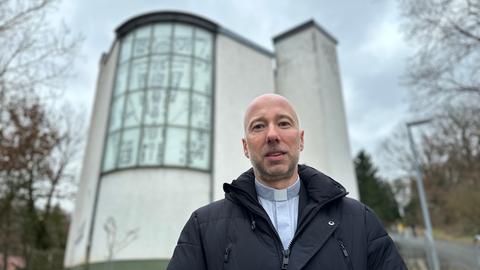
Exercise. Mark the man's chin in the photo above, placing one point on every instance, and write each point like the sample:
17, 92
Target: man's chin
278, 172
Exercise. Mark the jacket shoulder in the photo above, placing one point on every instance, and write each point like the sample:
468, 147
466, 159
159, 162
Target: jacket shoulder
358, 213
352, 206
215, 211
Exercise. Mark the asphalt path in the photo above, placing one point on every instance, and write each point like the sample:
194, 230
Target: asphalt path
452, 255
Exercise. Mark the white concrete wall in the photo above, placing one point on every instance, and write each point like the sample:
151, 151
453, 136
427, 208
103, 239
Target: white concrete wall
81, 218
308, 75
242, 73
145, 211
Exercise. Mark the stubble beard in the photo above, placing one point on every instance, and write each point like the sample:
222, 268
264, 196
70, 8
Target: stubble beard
262, 172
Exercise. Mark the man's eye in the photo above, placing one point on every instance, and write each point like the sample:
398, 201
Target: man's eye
258, 126
284, 124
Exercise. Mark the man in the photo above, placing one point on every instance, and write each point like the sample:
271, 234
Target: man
281, 215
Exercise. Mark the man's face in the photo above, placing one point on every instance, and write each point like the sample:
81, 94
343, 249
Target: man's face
273, 140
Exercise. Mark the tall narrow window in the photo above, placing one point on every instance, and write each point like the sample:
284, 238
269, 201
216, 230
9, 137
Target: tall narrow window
161, 106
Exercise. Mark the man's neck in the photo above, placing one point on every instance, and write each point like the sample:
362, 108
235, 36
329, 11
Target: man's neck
279, 183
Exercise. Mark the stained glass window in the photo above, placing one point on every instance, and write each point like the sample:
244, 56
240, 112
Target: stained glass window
159, 71
155, 107
151, 149
161, 105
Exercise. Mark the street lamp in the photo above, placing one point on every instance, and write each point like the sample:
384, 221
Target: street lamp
423, 201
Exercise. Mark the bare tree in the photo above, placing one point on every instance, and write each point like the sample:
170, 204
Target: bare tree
35, 54
38, 143
443, 75
450, 155
453, 155
445, 35
37, 153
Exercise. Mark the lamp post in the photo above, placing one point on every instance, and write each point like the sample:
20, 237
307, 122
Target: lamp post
433, 258
476, 241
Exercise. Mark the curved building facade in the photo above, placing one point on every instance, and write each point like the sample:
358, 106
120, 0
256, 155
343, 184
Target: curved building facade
166, 128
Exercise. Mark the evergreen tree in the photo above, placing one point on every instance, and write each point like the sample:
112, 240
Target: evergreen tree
375, 192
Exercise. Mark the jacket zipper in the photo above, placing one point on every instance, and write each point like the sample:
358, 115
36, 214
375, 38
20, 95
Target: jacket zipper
345, 254
264, 216
286, 252
227, 253
286, 257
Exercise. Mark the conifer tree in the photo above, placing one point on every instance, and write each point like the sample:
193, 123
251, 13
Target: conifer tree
374, 191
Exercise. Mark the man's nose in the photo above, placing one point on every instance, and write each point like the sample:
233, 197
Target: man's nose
272, 135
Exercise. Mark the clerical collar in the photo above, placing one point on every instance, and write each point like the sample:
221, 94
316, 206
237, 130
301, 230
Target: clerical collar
272, 194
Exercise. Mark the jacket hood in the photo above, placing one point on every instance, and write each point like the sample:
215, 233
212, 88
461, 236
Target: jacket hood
320, 187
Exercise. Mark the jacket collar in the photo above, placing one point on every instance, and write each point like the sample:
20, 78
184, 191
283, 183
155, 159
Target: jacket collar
319, 187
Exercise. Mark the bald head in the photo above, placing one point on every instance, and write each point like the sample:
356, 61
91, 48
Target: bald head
264, 103
273, 140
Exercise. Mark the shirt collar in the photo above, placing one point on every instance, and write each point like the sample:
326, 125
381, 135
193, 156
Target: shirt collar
273, 194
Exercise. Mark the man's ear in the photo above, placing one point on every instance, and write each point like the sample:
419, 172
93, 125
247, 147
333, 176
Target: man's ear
245, 149
302, 132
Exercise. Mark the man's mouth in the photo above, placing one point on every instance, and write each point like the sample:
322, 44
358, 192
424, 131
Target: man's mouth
275, 154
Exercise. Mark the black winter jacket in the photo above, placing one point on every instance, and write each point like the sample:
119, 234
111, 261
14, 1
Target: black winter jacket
333, 232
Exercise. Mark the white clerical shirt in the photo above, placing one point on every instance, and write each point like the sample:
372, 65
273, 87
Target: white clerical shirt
281, 206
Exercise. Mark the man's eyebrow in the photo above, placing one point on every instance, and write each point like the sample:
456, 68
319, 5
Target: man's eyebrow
279, 117
289, 117
285, 116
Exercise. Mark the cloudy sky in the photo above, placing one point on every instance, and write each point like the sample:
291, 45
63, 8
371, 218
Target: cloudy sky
371, 50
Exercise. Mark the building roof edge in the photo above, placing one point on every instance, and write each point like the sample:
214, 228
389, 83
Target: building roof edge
164, 16
245, 41
300, 28
180, 16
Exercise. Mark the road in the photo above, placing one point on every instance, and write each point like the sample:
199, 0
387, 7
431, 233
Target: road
452, 255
